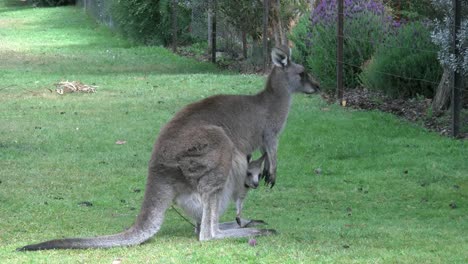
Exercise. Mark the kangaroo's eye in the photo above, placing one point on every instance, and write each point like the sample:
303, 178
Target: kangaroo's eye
249, 174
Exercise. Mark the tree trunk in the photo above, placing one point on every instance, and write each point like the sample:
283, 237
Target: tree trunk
244, 44
266, 12
281, 28
442, 96
277, 24
276, 35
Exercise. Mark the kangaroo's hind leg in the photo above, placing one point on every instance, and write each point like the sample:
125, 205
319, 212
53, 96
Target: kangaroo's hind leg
208, 163
210, 229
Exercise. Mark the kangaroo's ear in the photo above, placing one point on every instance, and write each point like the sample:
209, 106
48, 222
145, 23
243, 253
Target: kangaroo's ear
279, 57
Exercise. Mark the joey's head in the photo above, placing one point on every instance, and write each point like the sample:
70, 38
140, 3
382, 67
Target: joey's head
253, 172
295, 76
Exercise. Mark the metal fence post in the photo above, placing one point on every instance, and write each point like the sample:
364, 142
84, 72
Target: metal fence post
339, 53
457, 78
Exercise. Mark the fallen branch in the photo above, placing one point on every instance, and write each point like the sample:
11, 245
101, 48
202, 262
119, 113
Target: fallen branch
74, 86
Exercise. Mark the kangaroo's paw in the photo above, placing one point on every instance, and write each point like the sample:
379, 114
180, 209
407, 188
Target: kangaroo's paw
249, 223
252, 223
228, 225
244, 232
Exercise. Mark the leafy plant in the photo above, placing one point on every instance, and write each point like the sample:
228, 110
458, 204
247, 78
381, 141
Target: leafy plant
244, 15
149, 21
47, 3
366, 22
405, 65
412, 10
442, 36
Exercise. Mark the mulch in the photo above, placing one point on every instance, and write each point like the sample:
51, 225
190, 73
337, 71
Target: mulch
414, 110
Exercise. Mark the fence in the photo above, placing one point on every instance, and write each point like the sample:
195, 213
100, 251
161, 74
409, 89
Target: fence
229, 39
230, 44
99, 10
454, 89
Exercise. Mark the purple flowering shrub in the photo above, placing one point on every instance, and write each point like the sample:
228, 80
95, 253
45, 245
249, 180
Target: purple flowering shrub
326, 11
366, 24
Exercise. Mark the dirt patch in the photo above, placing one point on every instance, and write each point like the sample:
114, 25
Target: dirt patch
414, 110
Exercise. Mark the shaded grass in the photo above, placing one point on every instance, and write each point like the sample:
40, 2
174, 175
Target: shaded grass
383, 194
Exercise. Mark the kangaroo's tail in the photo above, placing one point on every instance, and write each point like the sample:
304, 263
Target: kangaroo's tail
127, 238
157, 199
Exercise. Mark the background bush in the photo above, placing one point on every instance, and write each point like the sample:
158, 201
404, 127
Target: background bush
366, 23
46, 3
149, 21
443, 34
413, 9
409, 53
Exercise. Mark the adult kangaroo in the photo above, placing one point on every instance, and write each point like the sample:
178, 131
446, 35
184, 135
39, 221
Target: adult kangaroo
202, 149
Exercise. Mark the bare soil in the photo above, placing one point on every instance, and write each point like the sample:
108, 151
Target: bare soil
414, 110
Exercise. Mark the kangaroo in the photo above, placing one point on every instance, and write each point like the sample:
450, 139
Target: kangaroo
202, 150
251, 182
235, 190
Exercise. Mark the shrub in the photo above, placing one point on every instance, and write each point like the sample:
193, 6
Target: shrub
149, 21
366, 22
408, 53
414, 9
46, 3
443, 34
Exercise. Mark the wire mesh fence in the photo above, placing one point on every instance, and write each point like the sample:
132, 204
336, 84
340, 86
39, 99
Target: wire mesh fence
452, 85
99, 10
232, 43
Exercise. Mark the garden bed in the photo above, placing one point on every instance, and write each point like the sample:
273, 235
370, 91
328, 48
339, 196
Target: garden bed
414, 110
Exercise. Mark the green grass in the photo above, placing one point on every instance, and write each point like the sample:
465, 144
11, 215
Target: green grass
383, 194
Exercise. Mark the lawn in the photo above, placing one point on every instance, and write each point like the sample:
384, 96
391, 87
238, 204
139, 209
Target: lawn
352, 186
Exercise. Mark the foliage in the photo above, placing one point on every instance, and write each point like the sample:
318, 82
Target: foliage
291, 9
197, 49
366, 23
410, 54
326, 11
149, 21
46, 3
442, 36
300, 37
412, 10
244, 15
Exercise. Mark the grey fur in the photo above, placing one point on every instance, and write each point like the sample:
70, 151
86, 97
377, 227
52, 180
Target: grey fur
202, 151
235, 190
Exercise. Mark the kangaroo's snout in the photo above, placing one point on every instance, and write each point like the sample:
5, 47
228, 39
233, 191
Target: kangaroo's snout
310, 85
255, 184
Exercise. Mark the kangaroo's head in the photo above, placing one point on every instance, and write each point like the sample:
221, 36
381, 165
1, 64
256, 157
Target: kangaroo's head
297, 80
253, 172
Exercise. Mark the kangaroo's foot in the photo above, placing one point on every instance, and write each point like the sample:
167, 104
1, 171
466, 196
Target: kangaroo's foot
243, 232
249, 222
